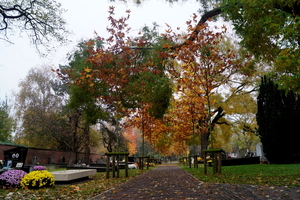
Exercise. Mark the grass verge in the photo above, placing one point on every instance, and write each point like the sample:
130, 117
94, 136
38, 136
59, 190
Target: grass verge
83, 190
259, 174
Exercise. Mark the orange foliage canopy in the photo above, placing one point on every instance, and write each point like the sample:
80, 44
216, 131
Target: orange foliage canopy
130, 140
197, 69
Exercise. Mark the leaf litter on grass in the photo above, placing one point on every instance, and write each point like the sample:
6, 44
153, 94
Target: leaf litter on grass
83, 190
259, 174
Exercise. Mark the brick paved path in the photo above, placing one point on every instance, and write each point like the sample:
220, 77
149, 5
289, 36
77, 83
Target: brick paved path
170, 182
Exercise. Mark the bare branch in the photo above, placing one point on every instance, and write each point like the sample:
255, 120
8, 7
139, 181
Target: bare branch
41, 19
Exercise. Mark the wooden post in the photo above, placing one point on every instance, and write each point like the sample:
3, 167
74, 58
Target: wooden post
195, 161
219, 162
148, 160
118, 170
205, 162
215, 163
107, 166
126, 165
113, 167
140, 163
142, 160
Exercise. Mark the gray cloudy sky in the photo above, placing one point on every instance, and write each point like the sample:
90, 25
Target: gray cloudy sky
83, 19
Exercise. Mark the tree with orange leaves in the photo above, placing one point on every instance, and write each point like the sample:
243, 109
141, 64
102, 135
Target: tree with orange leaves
122, 74
199, 68
129, 76
203, 69
130, 140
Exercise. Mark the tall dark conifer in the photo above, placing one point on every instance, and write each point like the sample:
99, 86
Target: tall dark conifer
278, 118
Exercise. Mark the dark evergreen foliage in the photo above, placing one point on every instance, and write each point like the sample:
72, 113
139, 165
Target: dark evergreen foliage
278, 118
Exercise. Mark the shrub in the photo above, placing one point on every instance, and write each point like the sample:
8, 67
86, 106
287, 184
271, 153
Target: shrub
11, 178
39, 168
37, 179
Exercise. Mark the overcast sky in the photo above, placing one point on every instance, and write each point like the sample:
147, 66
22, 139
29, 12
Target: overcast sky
83, 19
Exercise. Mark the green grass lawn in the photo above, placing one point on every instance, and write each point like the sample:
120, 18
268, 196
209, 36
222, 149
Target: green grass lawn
259, 174
83, 190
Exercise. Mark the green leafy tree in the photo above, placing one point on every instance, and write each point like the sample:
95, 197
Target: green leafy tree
7, 124
37, 109
40, 19
278, 119
265, 26
81, 98
241, 108
45, 121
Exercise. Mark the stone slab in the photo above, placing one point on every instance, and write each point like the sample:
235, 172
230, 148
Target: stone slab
69, 175
99, 169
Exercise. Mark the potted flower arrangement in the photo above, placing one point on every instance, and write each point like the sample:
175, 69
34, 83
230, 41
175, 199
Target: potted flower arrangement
11, 178
37, 179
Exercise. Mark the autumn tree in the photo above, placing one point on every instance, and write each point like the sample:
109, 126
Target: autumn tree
123, 75
203, 69
150, 89
177, 131
241, 108
7, 123
36, 108
152, 93
130, 140
262, 22
268, 28
81, 100
40, 19
83, 96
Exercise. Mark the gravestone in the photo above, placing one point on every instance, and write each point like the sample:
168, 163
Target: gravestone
100, 161
34, 160
9, 164
16, 155
241, 153
260, 152
52, 160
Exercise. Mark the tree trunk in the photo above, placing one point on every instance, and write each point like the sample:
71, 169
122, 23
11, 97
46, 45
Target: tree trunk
204, 141
218, 114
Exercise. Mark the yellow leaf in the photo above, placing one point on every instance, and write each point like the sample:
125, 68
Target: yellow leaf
87, 70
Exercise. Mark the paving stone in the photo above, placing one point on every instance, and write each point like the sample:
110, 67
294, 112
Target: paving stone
169, 182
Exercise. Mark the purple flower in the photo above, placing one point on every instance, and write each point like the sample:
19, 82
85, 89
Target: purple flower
12, 178
38, 168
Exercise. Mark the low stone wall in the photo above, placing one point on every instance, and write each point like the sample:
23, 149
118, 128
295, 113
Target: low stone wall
45, 156
241, 161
